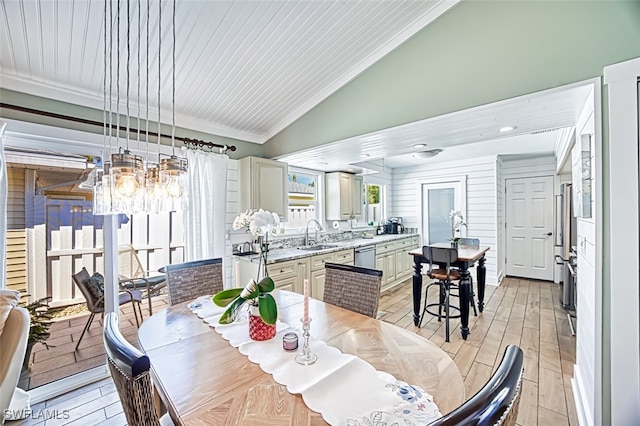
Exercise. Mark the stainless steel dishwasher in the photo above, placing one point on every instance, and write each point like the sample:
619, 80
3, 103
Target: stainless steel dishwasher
365, 256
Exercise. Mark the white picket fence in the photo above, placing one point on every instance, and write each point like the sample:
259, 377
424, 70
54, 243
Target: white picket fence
299, 216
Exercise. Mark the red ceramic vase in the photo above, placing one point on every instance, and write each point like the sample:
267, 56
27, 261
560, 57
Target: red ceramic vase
258, 329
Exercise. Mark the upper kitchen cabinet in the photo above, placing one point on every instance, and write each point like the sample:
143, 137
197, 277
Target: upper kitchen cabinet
262, 184
343, 196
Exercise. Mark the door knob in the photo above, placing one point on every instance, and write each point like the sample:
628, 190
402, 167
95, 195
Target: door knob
549, 234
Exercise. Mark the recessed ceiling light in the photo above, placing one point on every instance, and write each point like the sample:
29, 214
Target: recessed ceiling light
364, 155
323, 163
420, 145
507, 128
351, 170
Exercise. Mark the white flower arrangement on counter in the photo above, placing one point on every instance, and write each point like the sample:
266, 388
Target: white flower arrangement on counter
258, 222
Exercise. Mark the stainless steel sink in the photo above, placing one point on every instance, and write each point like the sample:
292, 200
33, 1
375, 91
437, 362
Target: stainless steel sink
318, 247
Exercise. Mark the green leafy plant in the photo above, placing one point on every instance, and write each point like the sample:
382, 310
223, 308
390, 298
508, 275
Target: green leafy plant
254, 293
41, 317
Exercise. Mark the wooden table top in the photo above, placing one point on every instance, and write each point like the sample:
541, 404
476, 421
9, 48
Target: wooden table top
465, 253
205, 380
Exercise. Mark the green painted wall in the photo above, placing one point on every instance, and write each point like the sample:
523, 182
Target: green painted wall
477, 53
10, 97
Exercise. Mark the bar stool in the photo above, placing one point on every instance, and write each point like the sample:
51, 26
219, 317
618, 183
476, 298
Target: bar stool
441, 256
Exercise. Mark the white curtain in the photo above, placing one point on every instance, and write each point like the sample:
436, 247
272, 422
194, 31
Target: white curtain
205, 217
3, 210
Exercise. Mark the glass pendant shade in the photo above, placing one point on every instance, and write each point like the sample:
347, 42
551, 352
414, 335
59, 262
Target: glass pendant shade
173, 177
155, 192
127, 181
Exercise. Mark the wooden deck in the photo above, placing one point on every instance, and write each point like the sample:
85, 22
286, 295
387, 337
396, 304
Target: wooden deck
521, 312
62, 360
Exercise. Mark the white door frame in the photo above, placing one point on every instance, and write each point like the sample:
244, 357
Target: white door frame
624, 245
460, 185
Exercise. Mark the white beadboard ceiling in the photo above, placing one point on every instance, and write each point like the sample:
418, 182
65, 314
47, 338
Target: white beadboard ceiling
463, 134
244, 69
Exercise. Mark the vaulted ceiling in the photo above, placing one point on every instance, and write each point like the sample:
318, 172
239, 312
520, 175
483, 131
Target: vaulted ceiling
244, 69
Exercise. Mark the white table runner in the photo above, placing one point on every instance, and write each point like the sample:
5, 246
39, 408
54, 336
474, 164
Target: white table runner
343, 388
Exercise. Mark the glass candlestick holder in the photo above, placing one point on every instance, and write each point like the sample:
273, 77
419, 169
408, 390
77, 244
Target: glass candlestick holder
306, 357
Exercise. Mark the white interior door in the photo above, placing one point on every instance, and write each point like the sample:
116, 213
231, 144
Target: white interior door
529, 205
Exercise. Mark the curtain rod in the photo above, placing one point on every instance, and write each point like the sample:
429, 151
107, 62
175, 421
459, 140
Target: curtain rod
186, 141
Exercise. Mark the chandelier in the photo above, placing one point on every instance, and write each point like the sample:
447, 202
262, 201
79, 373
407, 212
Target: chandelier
128, 182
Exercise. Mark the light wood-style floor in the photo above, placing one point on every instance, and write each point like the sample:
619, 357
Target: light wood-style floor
521, 312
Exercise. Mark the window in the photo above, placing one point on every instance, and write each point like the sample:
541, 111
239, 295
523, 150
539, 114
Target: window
303, 198
373, 200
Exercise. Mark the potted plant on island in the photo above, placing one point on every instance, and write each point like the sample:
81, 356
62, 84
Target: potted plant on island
263, 311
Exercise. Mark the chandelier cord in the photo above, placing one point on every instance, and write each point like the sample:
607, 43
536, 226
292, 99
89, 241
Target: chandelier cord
128, 69
110, 77
138, 81
104, 83
159, 68
173, 84
147, 83
118, 78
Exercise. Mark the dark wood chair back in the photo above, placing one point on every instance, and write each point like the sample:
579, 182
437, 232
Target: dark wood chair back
440, 257
130, 371
352, 287
189, 280
497, 402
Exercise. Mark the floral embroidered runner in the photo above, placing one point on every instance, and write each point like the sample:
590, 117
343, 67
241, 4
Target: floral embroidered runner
345, 389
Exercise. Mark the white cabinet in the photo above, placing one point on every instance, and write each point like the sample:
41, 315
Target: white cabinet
343, 196
318, 272
262, 184
393, 259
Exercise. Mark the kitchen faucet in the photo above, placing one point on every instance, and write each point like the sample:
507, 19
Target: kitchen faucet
306, 232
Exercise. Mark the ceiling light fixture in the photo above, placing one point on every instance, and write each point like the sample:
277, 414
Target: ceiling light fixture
427, 154
126, 184
507, 128
364, 156
420, 145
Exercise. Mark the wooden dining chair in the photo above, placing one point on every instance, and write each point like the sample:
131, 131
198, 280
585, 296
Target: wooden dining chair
132, 275
352, 287
95, 298
496, 403
130, 372
189, 280
444, 274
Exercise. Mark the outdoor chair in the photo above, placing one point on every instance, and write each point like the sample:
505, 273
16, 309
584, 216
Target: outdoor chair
95, 300
130, 372
189, 280
497, 402
352, 287
132, 275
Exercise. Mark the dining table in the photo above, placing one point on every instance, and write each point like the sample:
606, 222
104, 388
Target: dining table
467, 257
202, 379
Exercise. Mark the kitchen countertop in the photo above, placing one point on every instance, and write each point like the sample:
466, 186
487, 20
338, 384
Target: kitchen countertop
281, 255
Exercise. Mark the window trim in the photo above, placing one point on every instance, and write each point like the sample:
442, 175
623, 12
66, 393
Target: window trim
320, 197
